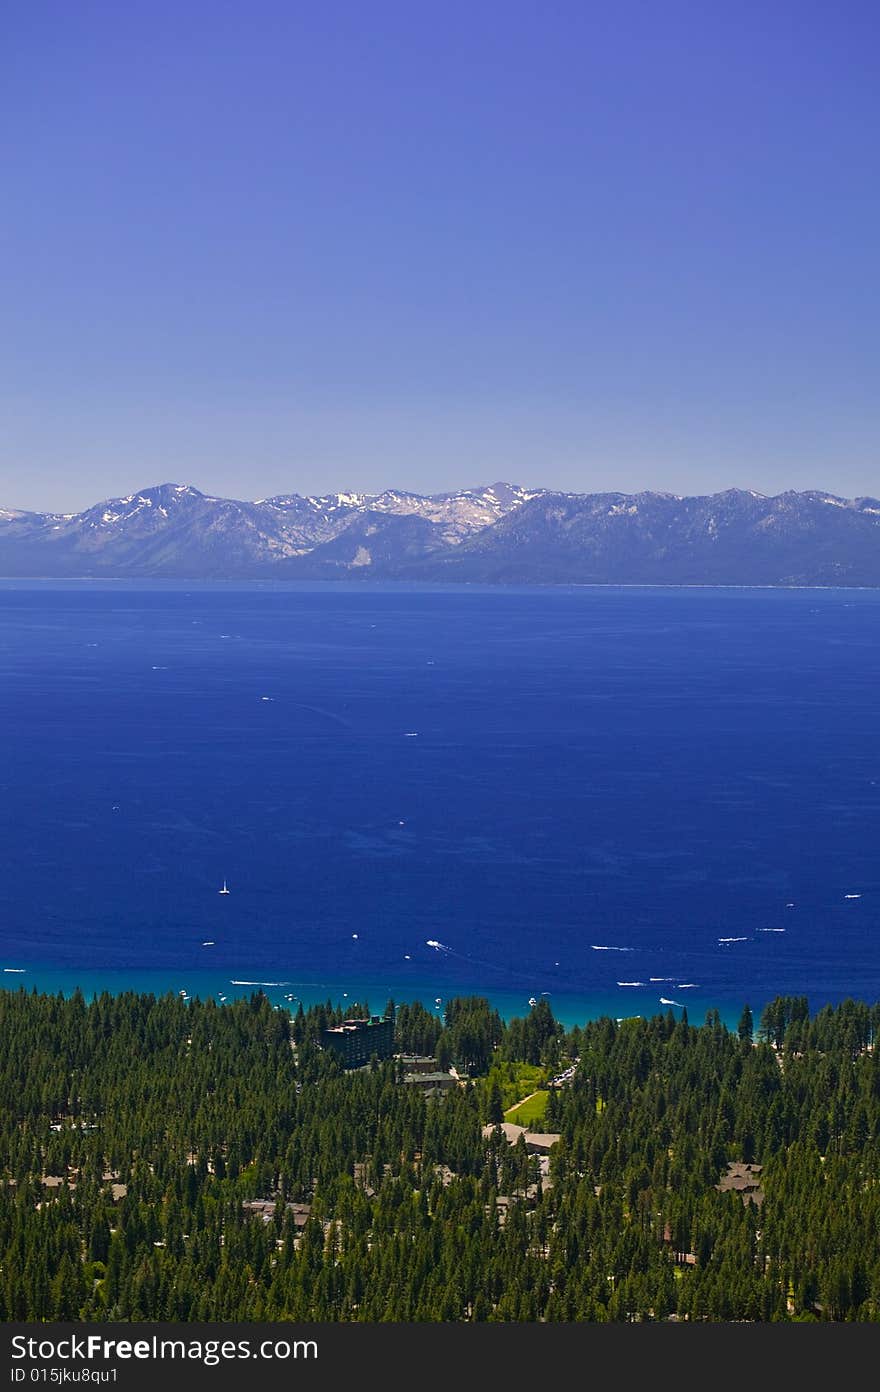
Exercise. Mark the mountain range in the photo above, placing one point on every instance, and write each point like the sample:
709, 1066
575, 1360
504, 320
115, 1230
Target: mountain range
499, 533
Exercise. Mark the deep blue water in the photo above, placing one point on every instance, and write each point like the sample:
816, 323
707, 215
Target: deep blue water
521, 775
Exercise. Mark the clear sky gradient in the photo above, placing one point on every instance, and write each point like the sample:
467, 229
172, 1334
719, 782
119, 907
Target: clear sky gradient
279, 246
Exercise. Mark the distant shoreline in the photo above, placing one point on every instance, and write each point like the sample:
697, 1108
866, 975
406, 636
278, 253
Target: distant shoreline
356, 586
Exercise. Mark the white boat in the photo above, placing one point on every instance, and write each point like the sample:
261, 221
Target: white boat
224, 890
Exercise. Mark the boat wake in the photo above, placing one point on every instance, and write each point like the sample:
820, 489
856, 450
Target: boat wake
235, 982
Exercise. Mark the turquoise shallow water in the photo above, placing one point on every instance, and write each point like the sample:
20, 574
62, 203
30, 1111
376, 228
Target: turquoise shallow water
569, 1007
418, 792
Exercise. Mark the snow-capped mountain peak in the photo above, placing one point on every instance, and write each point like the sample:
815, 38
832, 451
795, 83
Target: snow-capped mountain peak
494, 532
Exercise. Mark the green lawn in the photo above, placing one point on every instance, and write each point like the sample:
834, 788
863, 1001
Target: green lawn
529, 1112
514, 1080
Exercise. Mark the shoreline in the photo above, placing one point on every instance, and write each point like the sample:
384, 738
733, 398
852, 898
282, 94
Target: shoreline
287, 992
183, 582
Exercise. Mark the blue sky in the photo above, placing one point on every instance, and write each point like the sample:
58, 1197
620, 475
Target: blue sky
278, 246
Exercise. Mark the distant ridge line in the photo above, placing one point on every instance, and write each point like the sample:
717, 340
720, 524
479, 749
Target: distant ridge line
498, 533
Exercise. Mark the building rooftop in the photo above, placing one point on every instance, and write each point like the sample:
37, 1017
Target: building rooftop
534, 1140
744, 1179
353, 1026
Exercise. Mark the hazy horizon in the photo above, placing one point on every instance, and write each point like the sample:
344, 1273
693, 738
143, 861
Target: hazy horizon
425, 491
45, 491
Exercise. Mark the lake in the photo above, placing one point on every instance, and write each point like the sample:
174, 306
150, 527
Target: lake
414, 792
